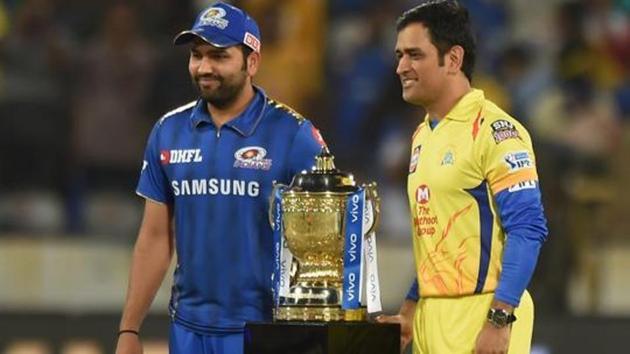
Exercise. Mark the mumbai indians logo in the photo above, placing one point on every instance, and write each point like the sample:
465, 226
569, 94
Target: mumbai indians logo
252, 157
214, 17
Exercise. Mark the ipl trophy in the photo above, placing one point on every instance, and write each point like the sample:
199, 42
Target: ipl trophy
324, 235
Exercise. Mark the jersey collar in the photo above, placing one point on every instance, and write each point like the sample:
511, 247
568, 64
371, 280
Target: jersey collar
467, 107
245, 123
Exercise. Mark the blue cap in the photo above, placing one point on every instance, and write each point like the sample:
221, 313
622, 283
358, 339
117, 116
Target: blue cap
223, 25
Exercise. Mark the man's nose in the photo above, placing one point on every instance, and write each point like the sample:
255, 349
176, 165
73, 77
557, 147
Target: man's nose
205, 66
403, 65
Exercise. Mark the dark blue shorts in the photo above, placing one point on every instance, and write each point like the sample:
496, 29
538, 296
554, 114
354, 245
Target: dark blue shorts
184, 341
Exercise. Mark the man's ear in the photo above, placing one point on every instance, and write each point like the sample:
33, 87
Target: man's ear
253, 62
455, 59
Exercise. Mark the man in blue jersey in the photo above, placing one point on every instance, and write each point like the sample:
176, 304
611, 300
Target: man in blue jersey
208, 171
477, 217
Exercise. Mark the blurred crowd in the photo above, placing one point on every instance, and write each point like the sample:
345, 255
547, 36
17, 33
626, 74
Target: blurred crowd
82, 82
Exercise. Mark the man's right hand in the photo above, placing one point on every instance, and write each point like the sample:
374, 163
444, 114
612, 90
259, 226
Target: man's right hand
128, 343
405, 319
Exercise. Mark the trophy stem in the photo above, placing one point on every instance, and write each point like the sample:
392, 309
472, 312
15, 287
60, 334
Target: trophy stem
322, 268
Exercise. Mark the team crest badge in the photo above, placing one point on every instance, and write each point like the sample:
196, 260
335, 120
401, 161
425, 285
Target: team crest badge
252, 157
448, 159
214, 16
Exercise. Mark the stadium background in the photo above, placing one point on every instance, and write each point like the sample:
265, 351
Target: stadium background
81, 82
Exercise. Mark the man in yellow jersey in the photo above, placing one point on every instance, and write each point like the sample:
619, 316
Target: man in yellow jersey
477, 217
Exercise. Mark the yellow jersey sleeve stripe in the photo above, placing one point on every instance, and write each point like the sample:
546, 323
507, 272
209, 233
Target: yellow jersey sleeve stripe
511, 179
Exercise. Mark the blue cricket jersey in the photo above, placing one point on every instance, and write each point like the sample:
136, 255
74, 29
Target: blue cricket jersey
218, 182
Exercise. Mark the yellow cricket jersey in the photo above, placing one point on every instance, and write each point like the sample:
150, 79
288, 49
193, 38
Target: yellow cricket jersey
456, 169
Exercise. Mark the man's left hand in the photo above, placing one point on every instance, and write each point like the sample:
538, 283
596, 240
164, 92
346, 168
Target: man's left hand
493, 340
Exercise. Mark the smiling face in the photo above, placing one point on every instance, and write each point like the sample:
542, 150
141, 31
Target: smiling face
421, 69
220, 74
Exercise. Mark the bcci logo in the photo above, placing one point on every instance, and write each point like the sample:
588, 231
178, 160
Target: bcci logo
252, 157
214, 17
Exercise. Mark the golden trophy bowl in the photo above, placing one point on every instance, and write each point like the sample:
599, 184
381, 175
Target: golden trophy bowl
313, 223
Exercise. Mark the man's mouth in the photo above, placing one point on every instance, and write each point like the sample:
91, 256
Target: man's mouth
407, 82
207, 81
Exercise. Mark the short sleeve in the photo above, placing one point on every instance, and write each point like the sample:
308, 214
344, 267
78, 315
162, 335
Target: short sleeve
507, 156
153, 183
307, 144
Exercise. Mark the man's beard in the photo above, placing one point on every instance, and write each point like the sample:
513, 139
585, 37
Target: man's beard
225, 93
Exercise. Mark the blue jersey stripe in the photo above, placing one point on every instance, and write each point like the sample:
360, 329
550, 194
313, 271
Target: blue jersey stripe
480, 193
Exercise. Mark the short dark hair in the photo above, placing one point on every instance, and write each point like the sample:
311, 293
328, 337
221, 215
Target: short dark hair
448, 24
246, 52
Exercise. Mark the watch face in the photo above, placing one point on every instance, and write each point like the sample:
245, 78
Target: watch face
499, 318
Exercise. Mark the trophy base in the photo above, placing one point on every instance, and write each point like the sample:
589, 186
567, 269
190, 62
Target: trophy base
318, 337
319, 314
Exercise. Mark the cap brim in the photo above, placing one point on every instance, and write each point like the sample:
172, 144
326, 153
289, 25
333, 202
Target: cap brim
212, 38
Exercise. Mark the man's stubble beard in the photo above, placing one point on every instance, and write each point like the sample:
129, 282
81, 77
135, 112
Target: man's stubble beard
225, 94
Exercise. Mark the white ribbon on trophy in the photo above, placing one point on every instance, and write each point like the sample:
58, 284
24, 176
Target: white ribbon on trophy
370, 262
286, 261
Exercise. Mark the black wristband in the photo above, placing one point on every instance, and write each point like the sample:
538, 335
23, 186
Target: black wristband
128, 331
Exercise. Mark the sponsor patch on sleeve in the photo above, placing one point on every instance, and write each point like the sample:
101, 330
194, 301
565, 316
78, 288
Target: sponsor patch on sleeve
503, 130
519, 160
531, 184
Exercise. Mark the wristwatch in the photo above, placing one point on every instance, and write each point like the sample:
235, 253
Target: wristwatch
500, 317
